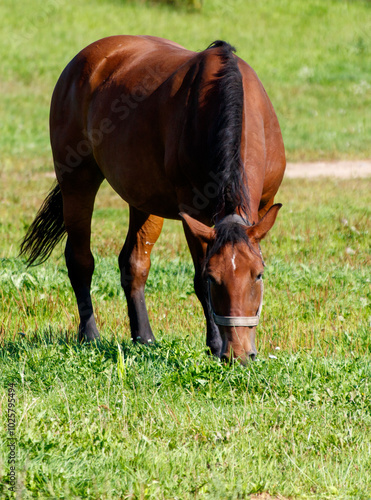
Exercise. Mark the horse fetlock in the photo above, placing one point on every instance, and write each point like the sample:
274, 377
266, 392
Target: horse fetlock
88, 332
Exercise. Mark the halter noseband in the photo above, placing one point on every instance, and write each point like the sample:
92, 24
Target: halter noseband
237, 320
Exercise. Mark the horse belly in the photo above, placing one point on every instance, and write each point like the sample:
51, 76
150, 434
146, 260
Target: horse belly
133, 165
143, 190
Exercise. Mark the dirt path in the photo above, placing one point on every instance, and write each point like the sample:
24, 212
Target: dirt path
340, 169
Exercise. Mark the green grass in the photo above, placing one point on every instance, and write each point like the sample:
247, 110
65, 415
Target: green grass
170, 423
114, 420
123, 421
313, 57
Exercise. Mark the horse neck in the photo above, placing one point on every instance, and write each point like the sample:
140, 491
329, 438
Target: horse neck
211, 135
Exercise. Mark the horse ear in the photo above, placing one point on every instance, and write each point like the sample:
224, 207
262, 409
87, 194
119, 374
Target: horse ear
259, 230
199, 230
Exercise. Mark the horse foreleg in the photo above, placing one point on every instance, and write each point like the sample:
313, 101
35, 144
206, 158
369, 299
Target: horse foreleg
135, 262
198, 251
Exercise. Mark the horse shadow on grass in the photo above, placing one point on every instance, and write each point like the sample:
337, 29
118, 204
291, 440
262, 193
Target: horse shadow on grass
110, 348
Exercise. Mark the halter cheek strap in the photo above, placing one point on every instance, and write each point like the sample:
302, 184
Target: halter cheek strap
238, 320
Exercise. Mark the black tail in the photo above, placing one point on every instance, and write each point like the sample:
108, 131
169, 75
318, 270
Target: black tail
46, 230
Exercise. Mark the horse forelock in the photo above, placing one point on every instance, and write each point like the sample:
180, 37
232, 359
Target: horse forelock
227, 233
224, 145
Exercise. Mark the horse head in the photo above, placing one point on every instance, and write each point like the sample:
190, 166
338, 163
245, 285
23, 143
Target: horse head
233, 273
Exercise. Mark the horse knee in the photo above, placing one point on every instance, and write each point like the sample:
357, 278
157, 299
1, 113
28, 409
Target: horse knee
134, 272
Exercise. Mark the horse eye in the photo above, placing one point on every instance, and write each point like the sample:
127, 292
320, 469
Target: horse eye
259, 276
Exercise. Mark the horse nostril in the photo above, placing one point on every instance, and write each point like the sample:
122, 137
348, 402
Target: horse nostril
252, 356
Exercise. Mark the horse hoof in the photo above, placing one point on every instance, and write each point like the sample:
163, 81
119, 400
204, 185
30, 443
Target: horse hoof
147, 340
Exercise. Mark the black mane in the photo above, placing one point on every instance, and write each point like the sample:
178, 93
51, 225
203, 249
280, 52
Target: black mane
225, 139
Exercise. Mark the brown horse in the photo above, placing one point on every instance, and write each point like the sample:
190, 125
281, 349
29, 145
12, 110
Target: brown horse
178, 135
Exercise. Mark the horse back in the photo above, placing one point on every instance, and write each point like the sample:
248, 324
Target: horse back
143, 108
119, 62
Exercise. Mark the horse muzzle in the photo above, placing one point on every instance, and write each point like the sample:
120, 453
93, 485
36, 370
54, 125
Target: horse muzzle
238, 344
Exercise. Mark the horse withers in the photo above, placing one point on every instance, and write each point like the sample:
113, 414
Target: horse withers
178, 134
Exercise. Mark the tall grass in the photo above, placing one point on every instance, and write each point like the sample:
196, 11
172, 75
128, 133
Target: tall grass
123, 421
317, 259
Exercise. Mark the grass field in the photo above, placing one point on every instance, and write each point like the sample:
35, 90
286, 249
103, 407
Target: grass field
313, 57
117, 421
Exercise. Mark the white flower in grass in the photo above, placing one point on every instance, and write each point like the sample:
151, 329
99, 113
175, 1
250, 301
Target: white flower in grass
350, 251
305, 73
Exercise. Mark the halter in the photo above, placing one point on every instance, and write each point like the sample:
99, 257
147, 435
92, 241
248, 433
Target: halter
249, 321
238, 320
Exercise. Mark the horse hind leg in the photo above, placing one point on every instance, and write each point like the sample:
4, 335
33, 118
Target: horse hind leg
79, 188
134, 262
